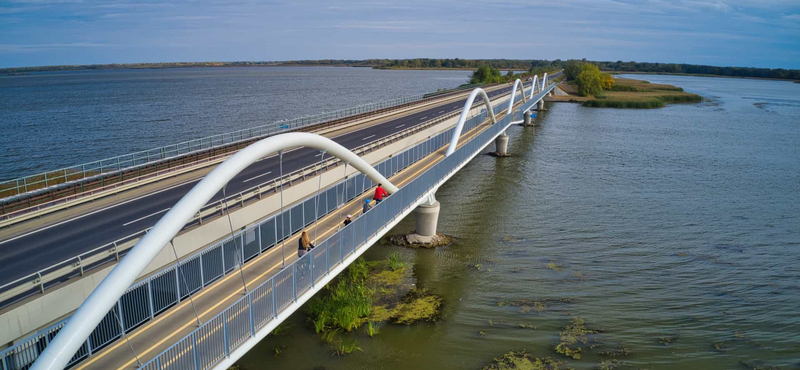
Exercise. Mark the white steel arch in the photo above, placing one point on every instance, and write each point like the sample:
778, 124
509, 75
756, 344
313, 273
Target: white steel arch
517, 84
534, 86
464, 112
105, 296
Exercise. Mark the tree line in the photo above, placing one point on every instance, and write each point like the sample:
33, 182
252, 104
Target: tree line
508, 64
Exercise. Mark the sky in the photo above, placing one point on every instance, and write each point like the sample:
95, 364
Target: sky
754, 33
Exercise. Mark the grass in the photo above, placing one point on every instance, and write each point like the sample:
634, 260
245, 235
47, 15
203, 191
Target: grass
633, 94
347, 304
395, 261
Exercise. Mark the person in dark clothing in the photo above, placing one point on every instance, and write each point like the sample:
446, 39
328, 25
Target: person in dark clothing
379, 194
348, 220
304, 244
367, 206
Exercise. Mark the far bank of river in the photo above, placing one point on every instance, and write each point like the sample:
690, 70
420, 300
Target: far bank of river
658, 239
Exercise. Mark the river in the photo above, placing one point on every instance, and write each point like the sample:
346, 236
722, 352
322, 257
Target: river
57, 119
674, 231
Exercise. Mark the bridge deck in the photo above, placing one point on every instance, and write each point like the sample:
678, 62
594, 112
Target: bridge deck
52, 239
154, 336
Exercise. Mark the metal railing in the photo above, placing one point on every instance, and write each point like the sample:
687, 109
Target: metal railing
39, 281
215, 339
166, 288
152, 296
12, 189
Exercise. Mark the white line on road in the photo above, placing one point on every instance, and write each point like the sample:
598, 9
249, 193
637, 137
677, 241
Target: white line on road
253, 178
142, 218
400, 126
441, 111
99, 210
370, 136
423, 118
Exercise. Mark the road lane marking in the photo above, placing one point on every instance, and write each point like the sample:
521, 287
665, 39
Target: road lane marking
368, 137
142, 218
423, 118
253, 178
441, 111
99, 210
400, 126
219, 282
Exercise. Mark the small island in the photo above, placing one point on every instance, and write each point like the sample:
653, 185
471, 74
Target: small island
586, 84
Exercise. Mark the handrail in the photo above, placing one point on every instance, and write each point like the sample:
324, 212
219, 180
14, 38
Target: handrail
149, 156
94, 257
72, 336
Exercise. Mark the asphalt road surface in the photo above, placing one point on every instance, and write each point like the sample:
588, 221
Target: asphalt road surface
41, 248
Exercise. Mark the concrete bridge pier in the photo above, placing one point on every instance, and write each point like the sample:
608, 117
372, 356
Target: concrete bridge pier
501, 144
427, 217
526, 119
541, 105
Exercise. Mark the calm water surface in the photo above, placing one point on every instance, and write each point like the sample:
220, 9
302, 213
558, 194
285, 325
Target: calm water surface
52, 120
679, 222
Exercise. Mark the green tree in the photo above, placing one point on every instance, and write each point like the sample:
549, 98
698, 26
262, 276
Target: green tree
572, 69
485, 74
590, 80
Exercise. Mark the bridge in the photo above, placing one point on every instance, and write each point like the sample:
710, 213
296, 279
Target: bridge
218, 272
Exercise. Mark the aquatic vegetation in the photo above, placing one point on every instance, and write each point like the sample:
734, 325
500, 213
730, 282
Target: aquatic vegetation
347, 304
372, 329
574, 338
553, 266
278, 350
538, 305
346, 347
739, 334
521, 360
526, 326
482, 333
395, 261
617, 352
612, 364
477, 266
667, 340
720, 347
418, 305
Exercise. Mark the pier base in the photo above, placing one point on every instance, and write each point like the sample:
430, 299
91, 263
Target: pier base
501, 145
541, 105
426, 217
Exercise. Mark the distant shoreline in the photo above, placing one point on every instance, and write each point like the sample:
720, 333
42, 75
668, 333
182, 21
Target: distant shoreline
699, 75
419, 64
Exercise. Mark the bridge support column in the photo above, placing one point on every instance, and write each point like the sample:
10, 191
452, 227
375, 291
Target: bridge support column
541, 105
526, 119
426, 217
501, 145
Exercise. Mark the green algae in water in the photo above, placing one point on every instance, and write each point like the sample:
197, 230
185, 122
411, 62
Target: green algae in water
553, 266
522, 360
574, 339
612, 364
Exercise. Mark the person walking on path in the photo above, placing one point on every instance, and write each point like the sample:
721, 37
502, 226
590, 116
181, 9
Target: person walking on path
379, 194
367, 206
348, 220
304, 244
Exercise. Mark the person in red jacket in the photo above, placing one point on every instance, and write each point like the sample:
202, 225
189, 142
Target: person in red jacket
379, 194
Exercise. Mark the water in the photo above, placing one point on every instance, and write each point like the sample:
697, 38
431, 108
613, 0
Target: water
679, 222
53, 120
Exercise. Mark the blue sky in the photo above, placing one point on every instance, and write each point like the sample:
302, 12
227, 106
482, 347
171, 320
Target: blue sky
760, 33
